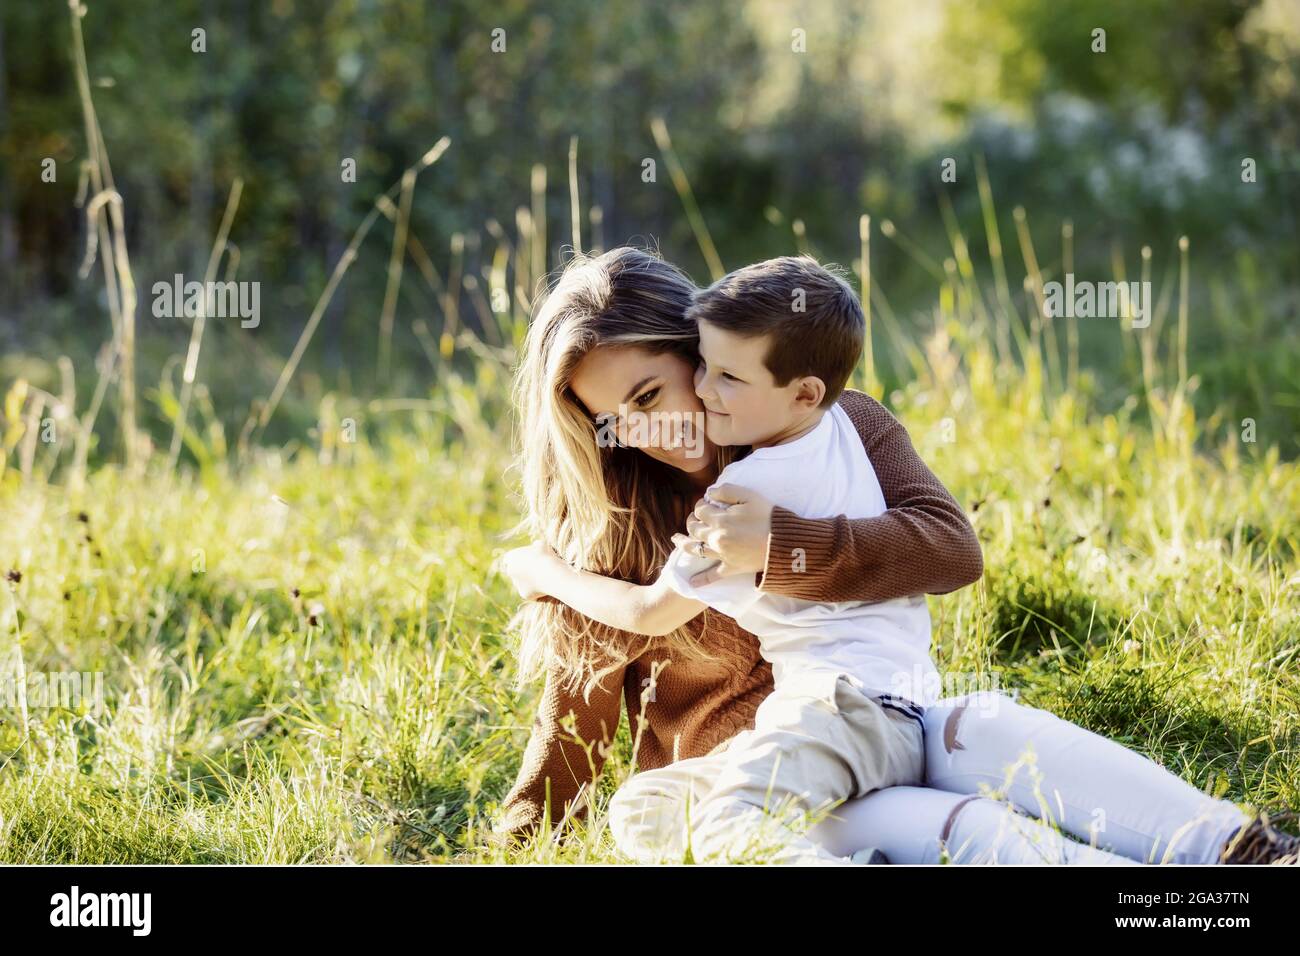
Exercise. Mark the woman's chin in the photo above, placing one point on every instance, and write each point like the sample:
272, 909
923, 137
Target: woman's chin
688, 463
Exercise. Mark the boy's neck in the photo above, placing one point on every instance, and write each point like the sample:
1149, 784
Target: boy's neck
796, 429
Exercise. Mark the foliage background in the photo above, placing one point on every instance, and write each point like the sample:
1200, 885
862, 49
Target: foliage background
1135, 146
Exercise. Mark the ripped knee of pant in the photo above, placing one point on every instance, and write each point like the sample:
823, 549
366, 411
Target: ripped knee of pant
950, 741
951, 821
981, 705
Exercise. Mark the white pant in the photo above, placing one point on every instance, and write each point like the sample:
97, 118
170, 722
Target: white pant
818, 739
920, 825
1091, 787
1044, 771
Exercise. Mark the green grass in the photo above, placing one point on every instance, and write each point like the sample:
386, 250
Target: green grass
1140, 581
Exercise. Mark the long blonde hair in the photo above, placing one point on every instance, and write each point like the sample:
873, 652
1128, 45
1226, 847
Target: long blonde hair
610, 510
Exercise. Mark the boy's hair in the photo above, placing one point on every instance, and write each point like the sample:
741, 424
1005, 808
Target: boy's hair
817, 333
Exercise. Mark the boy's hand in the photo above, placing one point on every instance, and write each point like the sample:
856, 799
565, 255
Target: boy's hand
732, 525
524, 566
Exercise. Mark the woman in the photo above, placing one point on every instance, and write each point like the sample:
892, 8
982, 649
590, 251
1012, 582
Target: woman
613, 334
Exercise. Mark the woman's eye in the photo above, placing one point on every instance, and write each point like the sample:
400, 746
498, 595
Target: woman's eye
645, 398
729, 377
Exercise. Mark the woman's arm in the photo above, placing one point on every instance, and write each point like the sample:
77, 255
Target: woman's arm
558, 761
922, 543
652, 610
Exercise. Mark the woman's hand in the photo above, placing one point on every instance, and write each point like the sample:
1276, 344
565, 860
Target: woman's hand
735, 534
525, 566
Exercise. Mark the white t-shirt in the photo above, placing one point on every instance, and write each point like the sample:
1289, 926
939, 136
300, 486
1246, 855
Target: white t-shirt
886, 644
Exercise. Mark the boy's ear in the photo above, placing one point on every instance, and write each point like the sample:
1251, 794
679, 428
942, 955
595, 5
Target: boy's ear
810, 392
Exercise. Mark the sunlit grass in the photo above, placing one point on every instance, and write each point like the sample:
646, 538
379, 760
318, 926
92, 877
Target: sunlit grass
1139, 587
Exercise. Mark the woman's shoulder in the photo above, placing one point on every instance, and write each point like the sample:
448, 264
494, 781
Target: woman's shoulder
869, 416
851, 400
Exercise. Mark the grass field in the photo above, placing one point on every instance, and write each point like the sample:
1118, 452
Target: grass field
304, 658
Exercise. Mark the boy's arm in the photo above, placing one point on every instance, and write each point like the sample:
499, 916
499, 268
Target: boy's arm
922, 543
653, 609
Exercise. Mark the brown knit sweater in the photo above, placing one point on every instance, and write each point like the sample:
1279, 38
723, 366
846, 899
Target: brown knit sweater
922, 543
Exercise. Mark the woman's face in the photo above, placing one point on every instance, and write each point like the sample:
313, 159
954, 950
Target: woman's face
646, 400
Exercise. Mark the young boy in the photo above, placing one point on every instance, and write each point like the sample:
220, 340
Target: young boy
778, 342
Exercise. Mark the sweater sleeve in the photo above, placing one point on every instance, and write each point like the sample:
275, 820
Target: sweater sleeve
922, 543
556, 763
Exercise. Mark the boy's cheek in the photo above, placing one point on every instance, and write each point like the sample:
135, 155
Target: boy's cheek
716, 431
